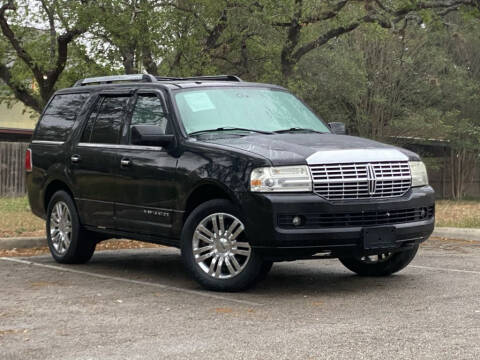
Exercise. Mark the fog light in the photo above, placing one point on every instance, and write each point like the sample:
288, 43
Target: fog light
297, 221
423, 213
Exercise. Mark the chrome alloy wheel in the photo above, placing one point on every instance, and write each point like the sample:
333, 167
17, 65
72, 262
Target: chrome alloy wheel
61, 227
378, 258
218, 247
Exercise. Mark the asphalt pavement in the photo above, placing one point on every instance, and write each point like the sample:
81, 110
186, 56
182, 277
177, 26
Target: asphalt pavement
140, 304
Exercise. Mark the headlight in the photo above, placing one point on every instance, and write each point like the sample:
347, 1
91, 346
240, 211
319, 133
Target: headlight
282, 179
419, 173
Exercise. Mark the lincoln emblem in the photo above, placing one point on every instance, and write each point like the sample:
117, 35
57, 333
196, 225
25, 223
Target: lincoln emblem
372, 179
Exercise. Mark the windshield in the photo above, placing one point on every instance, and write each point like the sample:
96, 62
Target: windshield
262, 110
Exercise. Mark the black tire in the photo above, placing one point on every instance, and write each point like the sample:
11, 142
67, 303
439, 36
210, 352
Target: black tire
81, 246
392, 264
255, 268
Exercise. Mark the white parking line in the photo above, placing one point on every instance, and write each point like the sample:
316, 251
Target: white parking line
138, 282
445, 269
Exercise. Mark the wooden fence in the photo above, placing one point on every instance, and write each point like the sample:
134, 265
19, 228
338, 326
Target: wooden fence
12, 169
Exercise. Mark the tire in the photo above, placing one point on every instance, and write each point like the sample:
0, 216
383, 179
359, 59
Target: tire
67, 241
220, 263
387, 263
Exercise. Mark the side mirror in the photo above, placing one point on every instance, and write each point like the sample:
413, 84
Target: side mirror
337, 128
150, 135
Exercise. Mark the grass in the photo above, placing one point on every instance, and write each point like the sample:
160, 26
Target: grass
16, 218
464, 214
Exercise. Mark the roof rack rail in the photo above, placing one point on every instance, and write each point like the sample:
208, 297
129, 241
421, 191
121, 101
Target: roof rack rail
151, 78
201, 78
114, 78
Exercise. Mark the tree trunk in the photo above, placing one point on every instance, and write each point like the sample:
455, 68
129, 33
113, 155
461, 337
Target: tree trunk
462, 166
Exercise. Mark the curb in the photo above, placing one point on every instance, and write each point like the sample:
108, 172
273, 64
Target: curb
457, 233
22, 243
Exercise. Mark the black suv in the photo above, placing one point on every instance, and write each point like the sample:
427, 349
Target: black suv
237, 175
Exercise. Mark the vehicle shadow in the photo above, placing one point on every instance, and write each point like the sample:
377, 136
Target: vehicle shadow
285, 280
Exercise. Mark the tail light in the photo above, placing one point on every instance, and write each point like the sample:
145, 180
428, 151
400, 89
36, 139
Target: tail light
28, 160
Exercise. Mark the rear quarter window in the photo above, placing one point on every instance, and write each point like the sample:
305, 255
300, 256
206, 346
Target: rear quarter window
59, 116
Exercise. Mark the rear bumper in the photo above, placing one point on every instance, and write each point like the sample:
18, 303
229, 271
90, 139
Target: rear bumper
262, 213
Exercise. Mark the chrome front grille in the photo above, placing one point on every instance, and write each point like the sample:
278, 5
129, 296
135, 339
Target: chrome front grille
383, 179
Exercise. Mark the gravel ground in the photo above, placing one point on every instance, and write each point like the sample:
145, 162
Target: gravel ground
140, 304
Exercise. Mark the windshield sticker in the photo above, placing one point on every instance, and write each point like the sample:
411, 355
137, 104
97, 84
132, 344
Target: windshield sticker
199, 101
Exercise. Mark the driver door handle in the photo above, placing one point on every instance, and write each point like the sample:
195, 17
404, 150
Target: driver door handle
75, 159
125, 162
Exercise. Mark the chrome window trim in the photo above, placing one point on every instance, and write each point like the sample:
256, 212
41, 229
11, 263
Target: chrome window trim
49, 142
120, 146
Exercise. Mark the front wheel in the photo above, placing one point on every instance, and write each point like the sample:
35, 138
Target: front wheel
382, 264
216, 251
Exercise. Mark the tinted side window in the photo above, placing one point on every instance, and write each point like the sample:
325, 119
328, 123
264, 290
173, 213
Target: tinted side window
87, 132
66, 105
149, 111
60, 116
108, 122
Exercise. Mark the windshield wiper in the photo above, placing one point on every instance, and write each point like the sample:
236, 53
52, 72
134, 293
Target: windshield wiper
228, 128
294, 129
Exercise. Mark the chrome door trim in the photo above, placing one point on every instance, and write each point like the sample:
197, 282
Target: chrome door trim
48, 142
120, 146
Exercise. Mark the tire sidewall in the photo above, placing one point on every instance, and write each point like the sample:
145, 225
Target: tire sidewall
251, 272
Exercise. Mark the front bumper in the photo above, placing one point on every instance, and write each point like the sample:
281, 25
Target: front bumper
262, 212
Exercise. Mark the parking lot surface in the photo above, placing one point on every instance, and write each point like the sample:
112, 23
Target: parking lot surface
140, 304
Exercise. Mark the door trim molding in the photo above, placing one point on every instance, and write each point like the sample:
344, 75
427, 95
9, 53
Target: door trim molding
49, 142
120, 146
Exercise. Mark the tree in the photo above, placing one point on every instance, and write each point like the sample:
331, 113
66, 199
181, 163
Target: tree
310, 26
176, 37
36, 54
461, 101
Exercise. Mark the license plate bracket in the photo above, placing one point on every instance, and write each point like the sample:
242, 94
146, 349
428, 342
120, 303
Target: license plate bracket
379, 237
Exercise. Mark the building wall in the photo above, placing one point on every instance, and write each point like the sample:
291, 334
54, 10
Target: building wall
17, 116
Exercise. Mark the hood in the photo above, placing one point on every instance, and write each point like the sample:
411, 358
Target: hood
313, 148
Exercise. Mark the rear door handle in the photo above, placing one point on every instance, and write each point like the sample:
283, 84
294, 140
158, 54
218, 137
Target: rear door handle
75, 158
125, 162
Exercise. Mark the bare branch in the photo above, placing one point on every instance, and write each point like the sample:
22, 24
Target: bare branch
187, 10
447, 10
21, 92
218, 29
53, 31
293, 38
62, 47
282, 24
324, 38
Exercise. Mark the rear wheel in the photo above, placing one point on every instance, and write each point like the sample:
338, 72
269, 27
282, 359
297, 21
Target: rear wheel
68, 243
382, 264
216, 251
